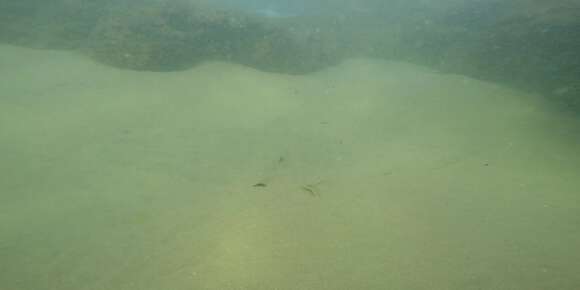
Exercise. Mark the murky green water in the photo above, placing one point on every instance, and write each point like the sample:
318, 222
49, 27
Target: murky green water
365, 175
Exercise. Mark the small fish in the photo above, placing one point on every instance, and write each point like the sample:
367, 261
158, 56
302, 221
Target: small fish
310, 190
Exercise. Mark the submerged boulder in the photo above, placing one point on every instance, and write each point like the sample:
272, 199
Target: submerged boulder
166, 36
143, 37
161, 35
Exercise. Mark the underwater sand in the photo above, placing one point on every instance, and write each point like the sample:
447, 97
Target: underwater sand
374, 174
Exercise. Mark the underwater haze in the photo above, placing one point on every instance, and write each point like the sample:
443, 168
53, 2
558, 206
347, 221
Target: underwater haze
291, 145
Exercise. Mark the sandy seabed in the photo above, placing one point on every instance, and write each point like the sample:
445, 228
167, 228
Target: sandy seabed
367, 175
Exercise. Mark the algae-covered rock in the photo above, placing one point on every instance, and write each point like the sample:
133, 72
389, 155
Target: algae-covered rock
528, 44
159, 35
165, 36
143, 37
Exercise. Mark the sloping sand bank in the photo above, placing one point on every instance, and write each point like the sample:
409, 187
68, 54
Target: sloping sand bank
368, 175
